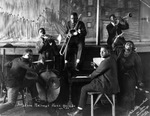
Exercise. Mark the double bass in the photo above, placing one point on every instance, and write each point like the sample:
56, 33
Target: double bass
47, 83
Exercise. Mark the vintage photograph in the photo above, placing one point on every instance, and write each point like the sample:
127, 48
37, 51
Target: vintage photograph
74, 57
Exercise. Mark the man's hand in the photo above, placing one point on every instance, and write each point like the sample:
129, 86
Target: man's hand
94, 65
41, 61
75, 33
140, 84
117, 22
89, 76
79, 30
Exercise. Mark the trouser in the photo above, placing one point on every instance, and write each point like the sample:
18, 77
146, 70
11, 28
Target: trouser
84, 93
12, 94
74, 52
31, 86
127, 92
80, 49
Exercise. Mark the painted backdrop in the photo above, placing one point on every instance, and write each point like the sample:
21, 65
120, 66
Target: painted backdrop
20, 19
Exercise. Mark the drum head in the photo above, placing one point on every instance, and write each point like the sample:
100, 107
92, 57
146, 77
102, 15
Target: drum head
52, 87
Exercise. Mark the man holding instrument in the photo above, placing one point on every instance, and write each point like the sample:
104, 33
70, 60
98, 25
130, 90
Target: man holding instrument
115, 27
76, 32
46, 46
16, 78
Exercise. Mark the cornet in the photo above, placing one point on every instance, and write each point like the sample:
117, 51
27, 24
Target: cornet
125, 18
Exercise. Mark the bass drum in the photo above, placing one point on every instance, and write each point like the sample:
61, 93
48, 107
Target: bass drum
48, 86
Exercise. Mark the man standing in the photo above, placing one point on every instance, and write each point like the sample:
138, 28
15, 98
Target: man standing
115, 28
15, 78
76, 32
46, 46
104, 79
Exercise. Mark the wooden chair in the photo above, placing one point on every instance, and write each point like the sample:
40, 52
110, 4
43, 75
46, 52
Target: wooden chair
112, 101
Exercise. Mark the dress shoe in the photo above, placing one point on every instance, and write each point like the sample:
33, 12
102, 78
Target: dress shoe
66, 61
76, 69
74, 113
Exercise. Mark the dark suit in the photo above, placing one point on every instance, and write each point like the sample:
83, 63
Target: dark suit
77, 42
104, 79
47, 49
18, 68
15, 79
115, 30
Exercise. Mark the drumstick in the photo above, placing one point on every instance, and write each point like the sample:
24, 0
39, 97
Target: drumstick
40, 61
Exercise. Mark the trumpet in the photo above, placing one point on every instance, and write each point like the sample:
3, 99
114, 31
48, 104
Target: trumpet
64, 47
125, 18
128, 15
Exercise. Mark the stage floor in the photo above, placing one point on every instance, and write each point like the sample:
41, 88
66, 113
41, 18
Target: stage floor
104, 110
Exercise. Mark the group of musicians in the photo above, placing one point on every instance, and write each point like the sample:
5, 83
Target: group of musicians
104, 78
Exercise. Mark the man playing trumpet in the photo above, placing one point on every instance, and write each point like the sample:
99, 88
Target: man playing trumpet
115, 28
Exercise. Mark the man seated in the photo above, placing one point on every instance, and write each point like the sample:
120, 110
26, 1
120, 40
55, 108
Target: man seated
16, 75
104, 79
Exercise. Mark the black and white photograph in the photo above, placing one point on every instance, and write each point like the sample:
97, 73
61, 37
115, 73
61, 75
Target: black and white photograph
74, 57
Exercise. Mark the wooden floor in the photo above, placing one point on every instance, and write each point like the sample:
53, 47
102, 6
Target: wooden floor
43, 111
102, 109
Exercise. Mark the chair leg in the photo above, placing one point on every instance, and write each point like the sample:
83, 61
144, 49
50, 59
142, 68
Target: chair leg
92, 106
113, 105
97, 99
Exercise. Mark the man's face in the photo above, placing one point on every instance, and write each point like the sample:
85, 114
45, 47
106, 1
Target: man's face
128, 46
104, 52
73, 19
113, 19
28, 55
41, 33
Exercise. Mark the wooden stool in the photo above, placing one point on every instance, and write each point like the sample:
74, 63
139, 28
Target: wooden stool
98, 98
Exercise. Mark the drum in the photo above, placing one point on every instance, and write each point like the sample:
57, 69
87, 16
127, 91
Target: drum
49, 85
31, 75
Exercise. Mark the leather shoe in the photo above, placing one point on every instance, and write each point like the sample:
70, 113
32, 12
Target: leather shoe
74, 113
76, 69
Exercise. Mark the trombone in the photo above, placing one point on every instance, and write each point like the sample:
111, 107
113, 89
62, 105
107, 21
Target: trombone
63, 49
64, 46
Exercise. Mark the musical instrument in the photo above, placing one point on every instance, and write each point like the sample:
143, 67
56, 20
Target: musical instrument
31, 75
141, 89
69, 35
125, 18
128, 15
39, 61
50, 90
116, 40
116, 37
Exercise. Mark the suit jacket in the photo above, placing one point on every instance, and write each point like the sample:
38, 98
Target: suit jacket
47, 48
106, 76
80, 37
113, 30
17, 71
